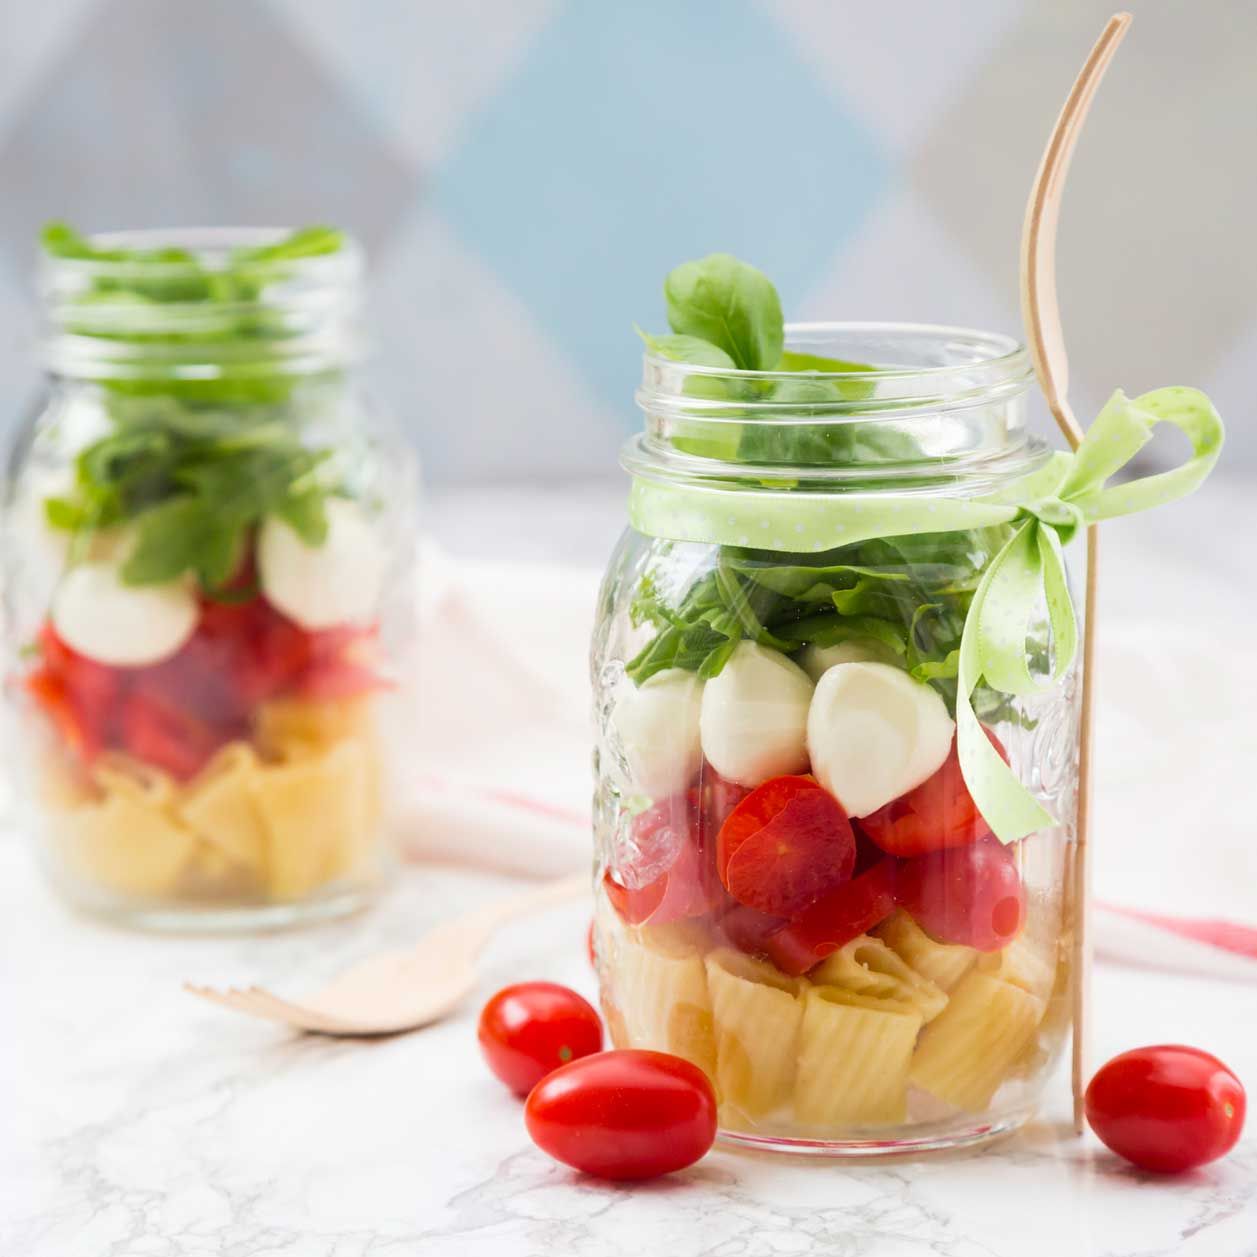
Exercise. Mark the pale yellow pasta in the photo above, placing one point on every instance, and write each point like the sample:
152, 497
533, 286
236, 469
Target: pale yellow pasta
854, 1056
115, 773
867, 966
973, 1046
315, 813
220, 806
660, 993
1023, 963
944, 964
756, 1010
289, 726
127, 844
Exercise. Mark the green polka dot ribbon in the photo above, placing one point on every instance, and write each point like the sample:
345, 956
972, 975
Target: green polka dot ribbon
1047, 509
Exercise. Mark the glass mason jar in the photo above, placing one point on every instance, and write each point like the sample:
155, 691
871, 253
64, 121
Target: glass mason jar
208, 581
797, 889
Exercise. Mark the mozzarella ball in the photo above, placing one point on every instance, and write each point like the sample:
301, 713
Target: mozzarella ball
817, 660
754, 716
127, 626
874, 733
322, 586
657, 723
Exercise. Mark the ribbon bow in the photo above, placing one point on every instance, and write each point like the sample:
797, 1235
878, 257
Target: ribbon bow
1046, 508
1030, 571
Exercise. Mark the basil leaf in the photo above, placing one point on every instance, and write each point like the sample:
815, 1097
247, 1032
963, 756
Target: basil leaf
729, 304
690, 349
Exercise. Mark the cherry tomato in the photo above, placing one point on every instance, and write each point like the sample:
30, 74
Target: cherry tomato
167, 734
937, 814
79, 736
971, 895
785, 845
749, 930
836, 918
624, 1114
1166, 1108
532, 1028
665, 880
91, 687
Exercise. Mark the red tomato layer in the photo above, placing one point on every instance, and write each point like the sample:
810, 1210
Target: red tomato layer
176, 714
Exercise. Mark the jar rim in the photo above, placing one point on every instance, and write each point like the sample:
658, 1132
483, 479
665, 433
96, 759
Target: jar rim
919, 400
294, 316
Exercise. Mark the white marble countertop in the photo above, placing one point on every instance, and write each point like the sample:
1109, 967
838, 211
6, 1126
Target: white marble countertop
138, 1121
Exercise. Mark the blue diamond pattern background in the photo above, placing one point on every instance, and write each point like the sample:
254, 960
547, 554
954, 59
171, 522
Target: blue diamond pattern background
526, 171
672, 136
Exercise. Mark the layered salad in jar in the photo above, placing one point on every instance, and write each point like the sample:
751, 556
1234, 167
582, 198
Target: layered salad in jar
797, 891
198, 587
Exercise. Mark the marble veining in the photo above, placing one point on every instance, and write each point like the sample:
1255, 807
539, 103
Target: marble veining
140, 1123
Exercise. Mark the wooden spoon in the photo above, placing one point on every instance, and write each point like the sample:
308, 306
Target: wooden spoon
1042, 318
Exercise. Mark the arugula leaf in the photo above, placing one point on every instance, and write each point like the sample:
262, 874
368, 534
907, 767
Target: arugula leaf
729, 304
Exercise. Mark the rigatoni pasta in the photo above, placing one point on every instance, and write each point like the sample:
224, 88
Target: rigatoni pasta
854, 1056
756, 1012
867, 966
969, 1050
944, 964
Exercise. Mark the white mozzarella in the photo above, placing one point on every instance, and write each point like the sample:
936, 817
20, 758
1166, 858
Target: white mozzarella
322, 586
817, 660
874, 733
754, 716
657, 724
127, 626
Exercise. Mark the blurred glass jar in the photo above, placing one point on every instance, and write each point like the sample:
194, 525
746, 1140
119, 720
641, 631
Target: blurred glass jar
208, 581
796, 890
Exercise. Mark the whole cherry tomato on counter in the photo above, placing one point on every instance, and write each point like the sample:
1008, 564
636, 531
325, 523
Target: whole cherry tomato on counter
1166, 1108
836, 918
784, 846
971, 895
624, 1114
937, 814
532, 1028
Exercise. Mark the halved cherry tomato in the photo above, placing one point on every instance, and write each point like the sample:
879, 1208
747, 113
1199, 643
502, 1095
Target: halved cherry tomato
785, 845
844, 913
1167, 1108
529, 1029
971, 895
937, 814
624, 1114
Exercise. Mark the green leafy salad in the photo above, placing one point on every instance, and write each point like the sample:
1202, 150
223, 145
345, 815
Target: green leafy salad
193, 464
907, 596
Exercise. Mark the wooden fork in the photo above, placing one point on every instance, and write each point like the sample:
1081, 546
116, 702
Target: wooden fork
403, 989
